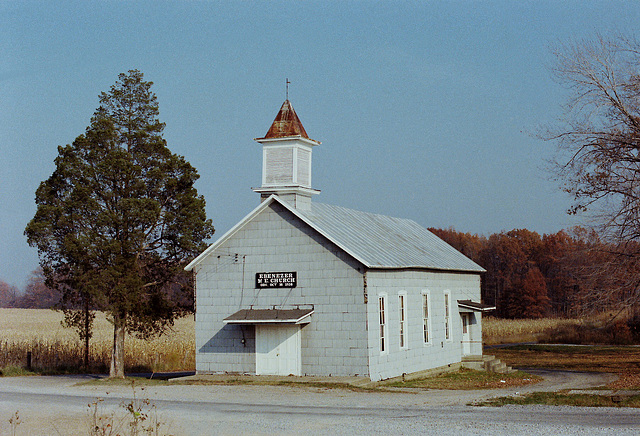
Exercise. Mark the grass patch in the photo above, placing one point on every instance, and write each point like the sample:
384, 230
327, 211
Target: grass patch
572, 358
134, 382
329, 385
257, 381
142, 383
461, 380
589, 332
15, 371
465, 379
620, 360
563, 399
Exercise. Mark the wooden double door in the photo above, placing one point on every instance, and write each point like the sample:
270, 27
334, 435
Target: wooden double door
278, 349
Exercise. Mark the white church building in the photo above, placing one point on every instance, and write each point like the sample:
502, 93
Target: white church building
299, 287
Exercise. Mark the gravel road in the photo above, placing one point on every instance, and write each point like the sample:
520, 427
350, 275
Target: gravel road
58, 405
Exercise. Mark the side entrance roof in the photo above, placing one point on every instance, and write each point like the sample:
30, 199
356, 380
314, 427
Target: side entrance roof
376, 241
270, 316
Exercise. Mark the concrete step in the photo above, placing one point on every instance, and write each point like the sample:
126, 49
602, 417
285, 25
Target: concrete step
473, 362
487, 363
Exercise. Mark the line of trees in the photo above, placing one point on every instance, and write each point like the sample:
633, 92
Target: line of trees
568, 273
564, 274
35, 295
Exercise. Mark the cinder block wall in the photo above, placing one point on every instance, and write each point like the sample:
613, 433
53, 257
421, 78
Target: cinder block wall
334, 342
419, 356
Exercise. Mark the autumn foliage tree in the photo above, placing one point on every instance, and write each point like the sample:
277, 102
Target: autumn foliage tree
37, 295
119, 217
532, 276
7, 294
534, 299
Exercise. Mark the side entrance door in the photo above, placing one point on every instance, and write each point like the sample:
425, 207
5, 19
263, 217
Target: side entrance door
278, 349
466, 336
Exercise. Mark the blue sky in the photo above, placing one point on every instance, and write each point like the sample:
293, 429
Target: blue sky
426, 110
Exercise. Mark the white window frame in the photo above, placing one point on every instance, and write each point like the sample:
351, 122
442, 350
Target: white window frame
426, 318
402, 321
383, 320
447, 316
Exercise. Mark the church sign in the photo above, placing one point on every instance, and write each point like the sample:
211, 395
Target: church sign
276, 279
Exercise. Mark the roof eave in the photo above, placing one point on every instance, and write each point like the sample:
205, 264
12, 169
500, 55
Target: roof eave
475, 306
229, 233
431, 268
292, 189
300, 138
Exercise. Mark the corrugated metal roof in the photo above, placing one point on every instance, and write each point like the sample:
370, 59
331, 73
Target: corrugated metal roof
380, 241
377, 241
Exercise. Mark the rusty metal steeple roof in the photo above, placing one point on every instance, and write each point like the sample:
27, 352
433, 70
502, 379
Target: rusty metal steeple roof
286, 124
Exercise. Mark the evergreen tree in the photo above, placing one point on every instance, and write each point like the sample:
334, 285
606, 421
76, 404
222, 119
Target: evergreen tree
119, 216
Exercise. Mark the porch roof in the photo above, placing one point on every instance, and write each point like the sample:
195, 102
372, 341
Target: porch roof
270, 316
473, 306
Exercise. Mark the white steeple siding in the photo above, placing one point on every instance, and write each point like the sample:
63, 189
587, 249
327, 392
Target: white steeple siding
286, 162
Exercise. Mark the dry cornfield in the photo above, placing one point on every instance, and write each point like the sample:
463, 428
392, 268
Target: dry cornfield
503, 331
55, 348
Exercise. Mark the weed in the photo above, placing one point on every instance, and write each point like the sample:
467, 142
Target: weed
14, 422
616, 333
140, 416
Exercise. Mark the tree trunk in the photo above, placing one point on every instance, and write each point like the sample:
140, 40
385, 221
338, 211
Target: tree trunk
87, 326
117, 353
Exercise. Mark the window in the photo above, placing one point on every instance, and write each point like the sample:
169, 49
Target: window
382, 304
447, 316
426, 322
402, 317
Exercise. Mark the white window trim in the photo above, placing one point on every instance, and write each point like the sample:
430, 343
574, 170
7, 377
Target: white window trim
447, 316
403, 331
383, 323
427, 293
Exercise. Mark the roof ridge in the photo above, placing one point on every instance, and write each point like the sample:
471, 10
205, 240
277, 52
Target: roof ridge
364, 212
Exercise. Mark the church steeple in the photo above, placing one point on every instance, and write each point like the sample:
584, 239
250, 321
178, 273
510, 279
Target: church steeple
286, 160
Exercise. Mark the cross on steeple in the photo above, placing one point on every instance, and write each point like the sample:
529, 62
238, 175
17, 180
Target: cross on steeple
287, 85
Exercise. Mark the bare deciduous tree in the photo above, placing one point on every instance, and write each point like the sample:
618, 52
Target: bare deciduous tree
599, 138
599, 145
